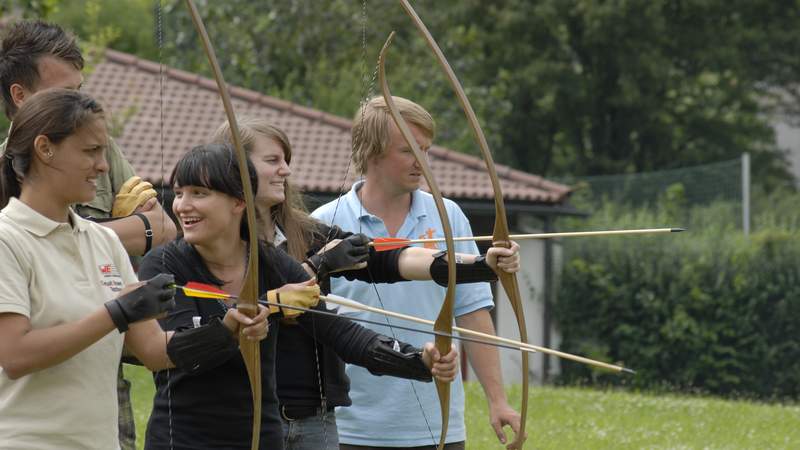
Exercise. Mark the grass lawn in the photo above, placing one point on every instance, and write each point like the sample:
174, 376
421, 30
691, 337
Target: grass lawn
571, 418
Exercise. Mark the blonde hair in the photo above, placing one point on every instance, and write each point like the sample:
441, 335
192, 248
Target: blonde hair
291, 214
370, 132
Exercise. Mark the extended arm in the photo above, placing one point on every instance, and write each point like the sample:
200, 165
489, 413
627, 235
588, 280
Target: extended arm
131, 229
415, 263
194, 349
24, 349
379, 354
485, 360
134, 195
191, 347
347, 258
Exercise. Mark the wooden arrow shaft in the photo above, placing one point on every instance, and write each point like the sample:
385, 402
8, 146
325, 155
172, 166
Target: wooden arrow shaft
492, 338
335, 299
519, 237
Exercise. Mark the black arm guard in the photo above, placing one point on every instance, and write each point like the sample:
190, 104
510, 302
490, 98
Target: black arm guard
196, 350
403, 363
476, 272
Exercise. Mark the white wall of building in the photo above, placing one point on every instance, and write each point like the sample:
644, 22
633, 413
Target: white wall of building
788, 138
531, 280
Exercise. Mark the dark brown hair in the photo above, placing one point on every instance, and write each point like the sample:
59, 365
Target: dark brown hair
55, 113
291, 214
23, 45
215, 166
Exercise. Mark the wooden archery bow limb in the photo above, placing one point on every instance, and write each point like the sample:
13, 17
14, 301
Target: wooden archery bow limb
444, 322
250, 349
525, 347
382, 244
501, 231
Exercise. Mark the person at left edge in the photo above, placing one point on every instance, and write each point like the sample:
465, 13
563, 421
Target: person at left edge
37, 55
69, 296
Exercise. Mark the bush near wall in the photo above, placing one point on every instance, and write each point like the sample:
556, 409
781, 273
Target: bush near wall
707, 310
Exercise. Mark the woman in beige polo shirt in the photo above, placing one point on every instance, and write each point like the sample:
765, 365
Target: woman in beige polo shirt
66, 284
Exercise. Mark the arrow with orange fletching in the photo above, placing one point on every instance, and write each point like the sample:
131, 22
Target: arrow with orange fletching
384, 244
207, 291
202, 290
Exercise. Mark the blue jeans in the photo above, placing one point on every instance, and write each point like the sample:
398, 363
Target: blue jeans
311, 433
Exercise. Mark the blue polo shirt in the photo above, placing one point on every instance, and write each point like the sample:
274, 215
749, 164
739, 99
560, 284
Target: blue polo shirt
385, 410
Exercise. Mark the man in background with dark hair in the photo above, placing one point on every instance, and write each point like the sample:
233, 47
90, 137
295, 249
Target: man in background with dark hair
35, 55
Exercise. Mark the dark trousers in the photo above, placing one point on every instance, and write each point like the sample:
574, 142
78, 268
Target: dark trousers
127, 426
450, 446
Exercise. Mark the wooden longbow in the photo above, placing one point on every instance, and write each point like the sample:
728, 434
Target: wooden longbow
444, 321
251, 350
501, 231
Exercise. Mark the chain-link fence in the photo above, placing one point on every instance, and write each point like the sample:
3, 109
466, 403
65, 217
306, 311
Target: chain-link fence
701, 184
724, 183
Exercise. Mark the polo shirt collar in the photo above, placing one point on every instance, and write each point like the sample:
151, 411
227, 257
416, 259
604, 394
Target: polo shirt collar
353, 202
418, 209
36, 223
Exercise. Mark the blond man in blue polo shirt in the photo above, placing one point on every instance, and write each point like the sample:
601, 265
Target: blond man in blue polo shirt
393, 413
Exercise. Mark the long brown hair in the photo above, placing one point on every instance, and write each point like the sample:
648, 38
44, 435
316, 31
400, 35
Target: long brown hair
291, 214
55, 113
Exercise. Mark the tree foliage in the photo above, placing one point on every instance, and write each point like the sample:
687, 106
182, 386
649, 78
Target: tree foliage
578, 87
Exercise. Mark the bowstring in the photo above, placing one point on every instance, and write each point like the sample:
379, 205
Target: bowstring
159, 35
368, 88
369, 91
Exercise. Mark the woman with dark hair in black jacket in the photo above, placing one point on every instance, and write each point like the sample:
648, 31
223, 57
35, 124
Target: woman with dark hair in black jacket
207, 403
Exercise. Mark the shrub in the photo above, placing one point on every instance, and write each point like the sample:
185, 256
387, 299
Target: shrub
708, 310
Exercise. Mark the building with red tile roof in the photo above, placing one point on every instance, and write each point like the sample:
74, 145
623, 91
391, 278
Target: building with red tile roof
164, 112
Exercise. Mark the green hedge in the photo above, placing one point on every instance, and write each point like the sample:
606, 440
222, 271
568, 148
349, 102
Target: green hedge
707, 310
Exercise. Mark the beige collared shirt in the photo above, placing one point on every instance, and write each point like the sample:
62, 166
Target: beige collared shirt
55, 273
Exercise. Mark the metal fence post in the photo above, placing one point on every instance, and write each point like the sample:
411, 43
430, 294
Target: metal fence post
746, 193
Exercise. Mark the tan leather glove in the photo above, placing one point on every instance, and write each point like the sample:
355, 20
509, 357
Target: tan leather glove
298, 295
133, 194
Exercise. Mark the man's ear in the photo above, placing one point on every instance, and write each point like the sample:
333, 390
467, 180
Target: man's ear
18, 94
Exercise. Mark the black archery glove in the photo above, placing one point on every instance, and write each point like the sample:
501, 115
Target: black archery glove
345, 255
155, 296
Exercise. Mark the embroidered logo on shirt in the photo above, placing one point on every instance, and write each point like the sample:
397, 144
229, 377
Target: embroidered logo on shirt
110, 277
429, 235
